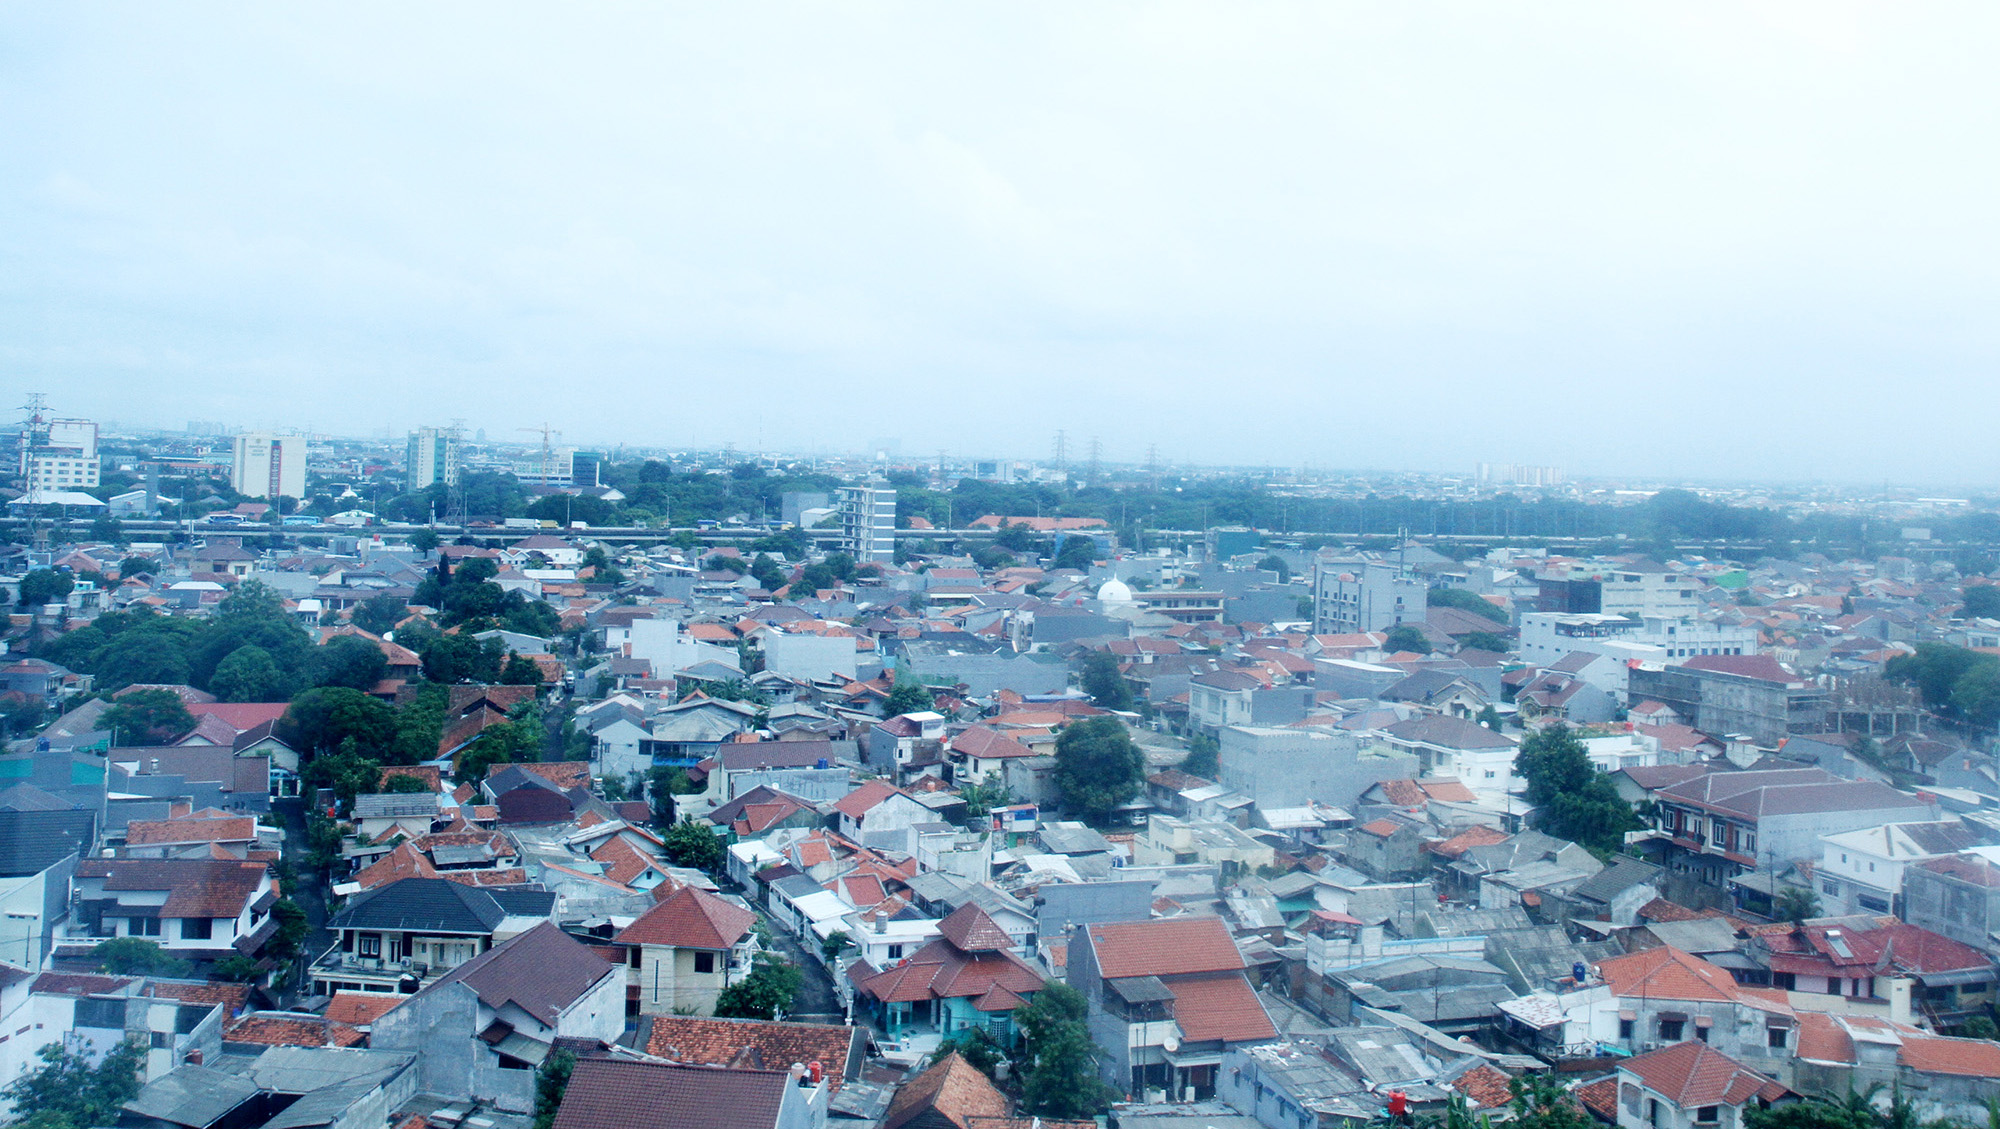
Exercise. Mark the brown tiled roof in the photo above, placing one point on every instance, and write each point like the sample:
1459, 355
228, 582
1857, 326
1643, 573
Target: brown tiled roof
1660, 909
195, 887
954, 1090
273, 1029
1485, 1085
608, 1093
622, 861
234, 997
862, 800
1219, 1005
78, 984
1599, 1097
542, 972
690, 919
773, 1046
430, 774
562, 774
1969, 1058
1667, 973
1163, 948
147, 832
360, 1009
970, 930
1478, 835
1694, 1074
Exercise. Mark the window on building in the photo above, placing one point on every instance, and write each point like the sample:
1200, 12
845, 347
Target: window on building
1708, 1115
1701, 1033
197, 928
1829, 887
371, 944
632, 956
1776, 1038
143, 926
1671, 1030
895, 952
1625, 1028
704, 962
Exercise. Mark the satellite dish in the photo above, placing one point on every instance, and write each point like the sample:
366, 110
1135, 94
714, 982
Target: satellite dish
1172, 1042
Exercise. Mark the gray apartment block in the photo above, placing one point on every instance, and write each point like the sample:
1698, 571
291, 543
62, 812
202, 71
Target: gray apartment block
1287, 767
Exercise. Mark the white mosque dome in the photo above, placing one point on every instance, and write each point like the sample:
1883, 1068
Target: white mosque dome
1115, 591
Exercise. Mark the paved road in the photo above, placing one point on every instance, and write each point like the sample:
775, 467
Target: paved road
817, 1002
308, 892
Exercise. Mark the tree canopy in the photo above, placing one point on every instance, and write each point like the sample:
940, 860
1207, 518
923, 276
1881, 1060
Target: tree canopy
767, 993
1097, 767
1104, 682
1060, 1069
147, 717
1573, 799
68, 1091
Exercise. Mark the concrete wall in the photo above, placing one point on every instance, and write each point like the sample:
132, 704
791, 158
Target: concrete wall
1288, 767
809, 656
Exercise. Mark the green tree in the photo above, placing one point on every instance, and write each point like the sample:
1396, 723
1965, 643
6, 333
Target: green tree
292, 926
1796, 904
1077, 553
1060, 1072
132, 956
1981, 601
147, 717
1574, 800
1485, 641
1541, 1102
45, 586
551, 1083
833, 944
158, 658
1404, 637
767, 993
1097, 767
134, 566
250, 675
347, 772
1466, 602
1204, 757
378, 615
976, 1047
520, 671
404, 784
425, 541
1104, 682
68, 1091
1815, 1112
692, 844
320, 719
1490, 718
350, 661
982, 797
236, 968
1277, 564
907, 696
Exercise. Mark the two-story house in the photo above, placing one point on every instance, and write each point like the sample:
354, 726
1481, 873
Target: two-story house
1167, 997
1480, 758
684, 951
197, 909
403, 936
482, 1028
1691, 1085
1862, 871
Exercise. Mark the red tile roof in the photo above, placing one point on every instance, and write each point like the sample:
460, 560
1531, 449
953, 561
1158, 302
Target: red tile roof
195, 887
1694, 1074
970, 930
151, 832
1163, 948
690, 919
753, 1043
608, 1093
273, 1029
1219, 1005
359, 1009
862, 800
1486, 1086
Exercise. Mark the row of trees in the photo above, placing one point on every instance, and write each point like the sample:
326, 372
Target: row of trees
1957, 684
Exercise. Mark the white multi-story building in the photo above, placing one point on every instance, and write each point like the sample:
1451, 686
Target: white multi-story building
1668, 640
432, 457
1862, 871
868, 523
269, 466
64, 459
1350, 597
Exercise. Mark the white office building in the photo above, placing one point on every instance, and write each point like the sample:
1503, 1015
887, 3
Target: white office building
63, 459
269, 466
868, 523
432, 457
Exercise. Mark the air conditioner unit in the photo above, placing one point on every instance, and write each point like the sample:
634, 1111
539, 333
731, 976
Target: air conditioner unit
1651, 1045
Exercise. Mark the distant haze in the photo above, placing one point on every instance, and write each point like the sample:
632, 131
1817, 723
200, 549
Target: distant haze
1707, 240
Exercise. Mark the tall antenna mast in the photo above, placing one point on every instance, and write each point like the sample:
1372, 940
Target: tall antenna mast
454, 476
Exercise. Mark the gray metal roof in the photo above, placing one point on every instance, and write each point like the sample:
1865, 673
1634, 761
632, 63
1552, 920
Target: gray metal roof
192, 1095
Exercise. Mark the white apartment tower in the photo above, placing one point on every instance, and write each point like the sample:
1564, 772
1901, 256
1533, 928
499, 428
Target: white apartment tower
868, 522
432, 457
64, 457
269, 466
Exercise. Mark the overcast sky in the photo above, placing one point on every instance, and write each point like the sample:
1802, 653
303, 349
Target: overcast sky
1717, 240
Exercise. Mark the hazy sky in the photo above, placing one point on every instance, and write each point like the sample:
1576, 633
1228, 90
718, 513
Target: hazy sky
1685, 239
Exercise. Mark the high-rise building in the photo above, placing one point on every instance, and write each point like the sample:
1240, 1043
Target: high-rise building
868, 523
432, 458
269, 466
59, 454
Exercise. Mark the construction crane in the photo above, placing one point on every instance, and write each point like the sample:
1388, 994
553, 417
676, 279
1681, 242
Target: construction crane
548, 449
